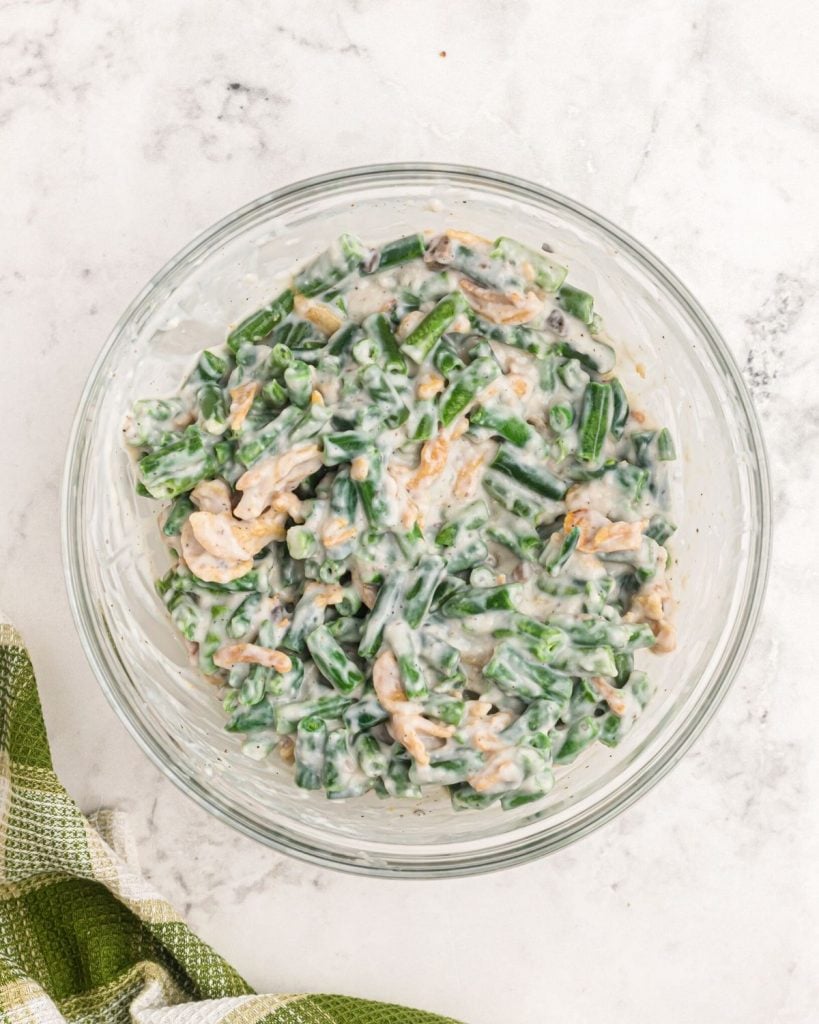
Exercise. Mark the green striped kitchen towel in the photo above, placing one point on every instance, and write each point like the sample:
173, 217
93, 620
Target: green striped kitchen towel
82, 936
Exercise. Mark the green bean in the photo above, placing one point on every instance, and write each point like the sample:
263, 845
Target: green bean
331, 267
346, 630
592, 353
330, 659
177, 516
465, 386
402, 250
521, 677
342, 776
275, 432
619, 409
423, 421
287, 716
446, 360
378, 329
449, 710
344, 339
511, 496
187, 616
449, 770
527, 546
177, 467
595, 421
260, 324
578, 736
548, 275
471, 551
385, 603
385, 394
296, 334
344, 446
397, 781
258, 716
307, 616
465, 798
576, 302
419, 342
371, 757
311, 742
559, 550
364, 714
477, 600
213, 412
660, 529
240, 622
534, 477
421, 588
402, 641
371, 490
299, 380
666, 451
473, 516
511, 801
274, 394
512, 428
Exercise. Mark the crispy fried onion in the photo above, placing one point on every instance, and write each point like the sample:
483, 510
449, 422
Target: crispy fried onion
407, 725
501, 307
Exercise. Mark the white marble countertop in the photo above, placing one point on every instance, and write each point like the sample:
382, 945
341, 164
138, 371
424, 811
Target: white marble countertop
125, 132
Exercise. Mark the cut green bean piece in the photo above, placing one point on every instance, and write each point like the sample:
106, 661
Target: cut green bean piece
465, 386
260, 324
595, 421
512, 428
549, 275
177, 516
402, 641
311, 741
371, 757
576, 302
378, 329
384, 607
177, 467
446, 360
477, 600
402, 250
511, 496
421, 589
332, 266
619, 409
419, 342
330, 659
579, 736
533, 476
666, 450
559, 550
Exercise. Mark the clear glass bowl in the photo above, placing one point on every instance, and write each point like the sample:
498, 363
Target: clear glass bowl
113, 553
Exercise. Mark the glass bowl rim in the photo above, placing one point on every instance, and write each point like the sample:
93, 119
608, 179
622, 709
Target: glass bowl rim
671, 748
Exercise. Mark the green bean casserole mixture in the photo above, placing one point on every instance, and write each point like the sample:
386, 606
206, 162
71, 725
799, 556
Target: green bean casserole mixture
418, 530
